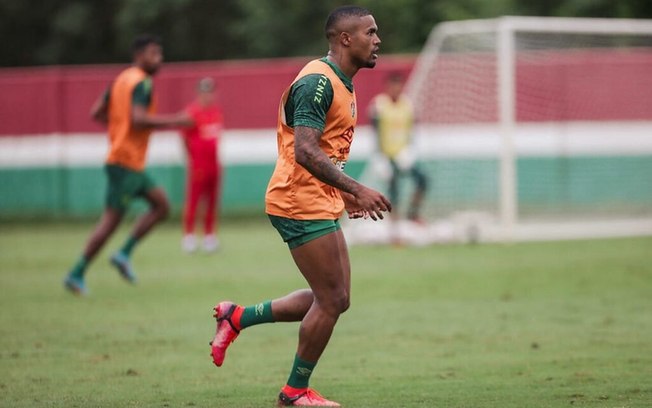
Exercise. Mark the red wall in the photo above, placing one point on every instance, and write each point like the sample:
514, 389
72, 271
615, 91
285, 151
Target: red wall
58, 99
551, 86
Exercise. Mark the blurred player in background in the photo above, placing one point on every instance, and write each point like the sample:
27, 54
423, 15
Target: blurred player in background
204, 171
307, 194
128, 108
392, 117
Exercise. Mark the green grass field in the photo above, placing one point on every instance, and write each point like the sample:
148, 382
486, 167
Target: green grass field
526, 325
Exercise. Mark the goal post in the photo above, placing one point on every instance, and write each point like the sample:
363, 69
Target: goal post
536, 128
506, 118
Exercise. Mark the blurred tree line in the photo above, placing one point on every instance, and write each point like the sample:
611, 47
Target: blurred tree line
100, 31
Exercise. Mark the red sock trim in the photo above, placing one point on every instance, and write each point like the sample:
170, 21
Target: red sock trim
291, 391
236, 316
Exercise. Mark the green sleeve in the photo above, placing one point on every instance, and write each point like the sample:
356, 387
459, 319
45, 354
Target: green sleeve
309, 100
142, 94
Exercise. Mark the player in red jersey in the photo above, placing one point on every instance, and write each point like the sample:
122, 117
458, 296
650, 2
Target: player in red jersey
204, 171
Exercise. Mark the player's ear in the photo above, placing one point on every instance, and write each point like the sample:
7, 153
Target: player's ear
345, 38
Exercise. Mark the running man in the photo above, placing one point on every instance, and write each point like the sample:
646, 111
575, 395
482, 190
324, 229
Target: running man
307, 194
128, 108
204, 171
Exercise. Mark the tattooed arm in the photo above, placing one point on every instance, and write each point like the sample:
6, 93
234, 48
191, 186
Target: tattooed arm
309, 155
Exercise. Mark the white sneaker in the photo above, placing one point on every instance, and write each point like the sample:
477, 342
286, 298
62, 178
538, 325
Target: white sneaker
211, 243
189, 243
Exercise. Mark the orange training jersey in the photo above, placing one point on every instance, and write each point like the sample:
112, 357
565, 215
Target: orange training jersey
292, 191
128, 145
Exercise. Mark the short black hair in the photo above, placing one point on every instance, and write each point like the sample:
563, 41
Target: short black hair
143, 40
340, 13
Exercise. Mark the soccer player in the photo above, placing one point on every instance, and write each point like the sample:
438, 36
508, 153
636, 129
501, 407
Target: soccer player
204, 170
392, 116
307, 194
128, 107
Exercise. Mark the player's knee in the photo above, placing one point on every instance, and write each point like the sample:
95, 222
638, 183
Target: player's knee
163, 209
346, 304
335, 303
342, 302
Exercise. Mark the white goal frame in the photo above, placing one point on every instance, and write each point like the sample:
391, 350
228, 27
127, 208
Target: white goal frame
507, 227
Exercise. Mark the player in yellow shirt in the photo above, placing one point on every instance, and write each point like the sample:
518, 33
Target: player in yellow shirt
128, 108
307, 194
392, 116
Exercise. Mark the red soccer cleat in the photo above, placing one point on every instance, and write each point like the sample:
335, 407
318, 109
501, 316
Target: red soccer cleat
225, 333
306, 397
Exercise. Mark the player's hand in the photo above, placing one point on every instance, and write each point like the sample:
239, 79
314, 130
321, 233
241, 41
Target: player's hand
351, 206
358, 214
184, 119
370, 203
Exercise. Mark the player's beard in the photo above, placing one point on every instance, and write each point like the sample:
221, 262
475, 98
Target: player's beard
369, 62
152, 69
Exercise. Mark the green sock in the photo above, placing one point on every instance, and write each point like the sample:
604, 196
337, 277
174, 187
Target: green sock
301, 371
80, 267
257, 314
129, 246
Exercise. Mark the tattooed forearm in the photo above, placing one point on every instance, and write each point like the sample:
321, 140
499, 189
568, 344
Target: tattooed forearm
308, 154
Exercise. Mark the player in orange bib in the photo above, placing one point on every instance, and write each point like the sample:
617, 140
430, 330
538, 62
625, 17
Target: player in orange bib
307, 194
128, 108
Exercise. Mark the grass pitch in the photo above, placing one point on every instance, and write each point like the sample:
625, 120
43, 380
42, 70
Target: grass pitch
527, 325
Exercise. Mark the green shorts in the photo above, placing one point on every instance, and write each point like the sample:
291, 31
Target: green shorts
298, 232
125, 185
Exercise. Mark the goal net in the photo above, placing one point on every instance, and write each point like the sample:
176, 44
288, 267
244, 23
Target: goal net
534, 128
